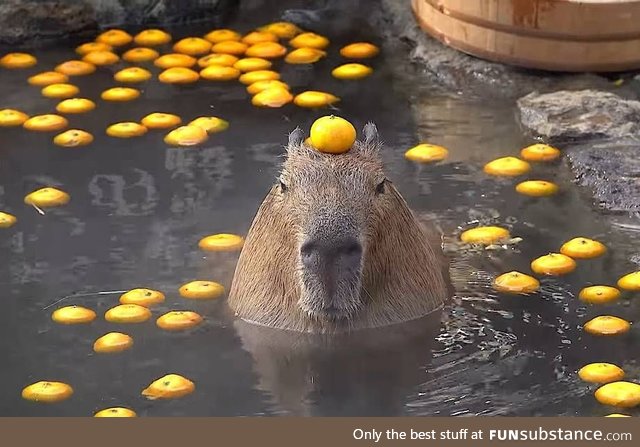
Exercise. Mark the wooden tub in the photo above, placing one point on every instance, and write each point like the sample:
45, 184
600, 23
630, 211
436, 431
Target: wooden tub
557, 35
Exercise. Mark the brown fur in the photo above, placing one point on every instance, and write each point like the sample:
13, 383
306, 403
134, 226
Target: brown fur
404, 273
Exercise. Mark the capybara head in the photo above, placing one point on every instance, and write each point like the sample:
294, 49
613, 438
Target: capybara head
334, 246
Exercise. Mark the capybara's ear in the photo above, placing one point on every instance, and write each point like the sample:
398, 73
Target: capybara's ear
370, 132
296, 138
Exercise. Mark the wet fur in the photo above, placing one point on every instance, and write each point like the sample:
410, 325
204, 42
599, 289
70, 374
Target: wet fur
404, 273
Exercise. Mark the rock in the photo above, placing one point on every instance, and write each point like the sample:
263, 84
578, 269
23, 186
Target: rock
611, 170
163, 12
28, 21
564, 116
32, 21
466, 73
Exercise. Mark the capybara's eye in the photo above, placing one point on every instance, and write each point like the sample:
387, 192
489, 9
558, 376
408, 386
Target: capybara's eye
380, 187
283, 187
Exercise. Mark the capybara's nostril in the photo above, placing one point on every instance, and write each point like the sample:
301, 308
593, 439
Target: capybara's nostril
351, 248
308, 253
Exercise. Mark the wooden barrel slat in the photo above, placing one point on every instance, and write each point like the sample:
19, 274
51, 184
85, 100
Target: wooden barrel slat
558, 35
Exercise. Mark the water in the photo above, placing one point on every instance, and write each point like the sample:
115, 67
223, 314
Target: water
139, 208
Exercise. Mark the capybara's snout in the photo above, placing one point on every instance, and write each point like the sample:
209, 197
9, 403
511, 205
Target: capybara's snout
318, 256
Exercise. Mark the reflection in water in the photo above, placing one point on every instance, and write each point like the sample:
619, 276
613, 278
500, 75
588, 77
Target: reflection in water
363, 374
199, 177
109, 191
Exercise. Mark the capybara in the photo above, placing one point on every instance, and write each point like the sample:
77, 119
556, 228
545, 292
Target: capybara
334, 247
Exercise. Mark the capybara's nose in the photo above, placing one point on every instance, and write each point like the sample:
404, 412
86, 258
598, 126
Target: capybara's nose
342, 253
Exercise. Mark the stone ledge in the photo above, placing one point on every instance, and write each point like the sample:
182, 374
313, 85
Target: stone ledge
27, 22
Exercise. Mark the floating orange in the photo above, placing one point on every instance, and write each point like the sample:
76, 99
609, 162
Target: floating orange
152, 37
226, 60
48, 78
140, 54
12, 118
7, 220
113, 342
201, 290
47, 391
169, 387
126, 129
583, 248
45, 123
266, 50
73, 315
210, 123
222, 35
193, 46
186, 136
120, 94
47, 197
252, 64
259, 86
75, 68
304, 56
601, 373
17, 60
178, 75
359, 50
599, 294
127, 313
607, 325
258, 75
537, 188
539, 152
314, 99
219, 73
619, 394
75, 105
272, 97
172, 60
630, 282
178, 320
92, 46
60, 91
142, 297
115, 412
485, 235
507, 166
230, 47
516, 283
426, 153
221, 242
284, 30
132, 75
158, 120
101, 58
352, 71
553, 264
115, 37
309, 40
73, 138
255, 37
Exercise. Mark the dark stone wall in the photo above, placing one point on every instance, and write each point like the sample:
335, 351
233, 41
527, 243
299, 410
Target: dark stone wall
28, 22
